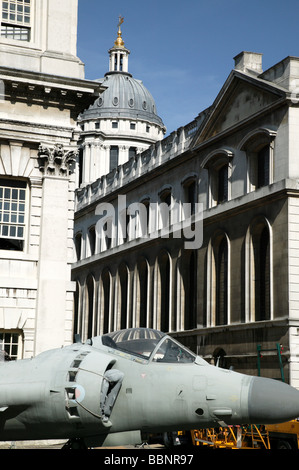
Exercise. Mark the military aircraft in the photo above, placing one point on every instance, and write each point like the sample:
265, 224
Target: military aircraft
114, 387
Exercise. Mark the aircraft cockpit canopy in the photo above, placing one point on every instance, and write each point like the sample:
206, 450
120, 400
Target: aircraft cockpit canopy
148, 344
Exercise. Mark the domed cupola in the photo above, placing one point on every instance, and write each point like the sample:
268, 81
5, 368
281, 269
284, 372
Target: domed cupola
125, 96
122, 121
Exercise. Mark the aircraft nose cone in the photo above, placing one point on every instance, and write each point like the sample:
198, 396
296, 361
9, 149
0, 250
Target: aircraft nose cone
270, 401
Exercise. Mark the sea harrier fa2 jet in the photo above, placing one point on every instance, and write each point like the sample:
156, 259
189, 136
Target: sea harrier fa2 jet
124, 383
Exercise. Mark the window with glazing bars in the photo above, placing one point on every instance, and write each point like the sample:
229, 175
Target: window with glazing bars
15, 21
12, 214
11, 344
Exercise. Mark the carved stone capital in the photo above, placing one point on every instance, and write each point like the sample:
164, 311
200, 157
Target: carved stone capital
56, 161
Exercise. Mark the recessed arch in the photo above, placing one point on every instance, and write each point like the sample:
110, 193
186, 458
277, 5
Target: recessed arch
218, 280
105, 300
142, 292
164, 289
123, 319
259, 147
258, 275
90, 306
218, 164
188, 276
77, 328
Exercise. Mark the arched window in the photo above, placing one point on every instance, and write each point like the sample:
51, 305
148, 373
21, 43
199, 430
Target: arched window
221, 183
165, 209
218, 164
92, 240
218, 305
164, 292
77, 327
221, 279
190, 193
259, 148
142, 292
263, 167
78, 245
105, 298
90, 291
123, 300
258, 271
263, 276
189, 277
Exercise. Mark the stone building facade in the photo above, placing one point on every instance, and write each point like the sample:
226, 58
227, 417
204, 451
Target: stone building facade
42, 91
235, 288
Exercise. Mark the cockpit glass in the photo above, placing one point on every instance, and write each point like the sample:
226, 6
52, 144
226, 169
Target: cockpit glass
137, 341
144, 342
171, 351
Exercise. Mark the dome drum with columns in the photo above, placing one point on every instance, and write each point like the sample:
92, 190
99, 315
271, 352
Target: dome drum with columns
123, 121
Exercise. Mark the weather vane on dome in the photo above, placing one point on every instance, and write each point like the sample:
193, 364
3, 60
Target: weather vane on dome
119, 42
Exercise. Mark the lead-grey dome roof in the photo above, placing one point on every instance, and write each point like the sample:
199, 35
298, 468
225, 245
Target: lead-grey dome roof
125, 97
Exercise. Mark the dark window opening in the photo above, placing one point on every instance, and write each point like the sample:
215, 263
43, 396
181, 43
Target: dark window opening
190, 195
222, 184
262, 272
80, 167
78, 242
132, 152
92, 240
221, 283
263, 159
113, 157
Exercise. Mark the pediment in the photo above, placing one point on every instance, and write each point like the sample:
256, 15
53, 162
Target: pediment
239, 101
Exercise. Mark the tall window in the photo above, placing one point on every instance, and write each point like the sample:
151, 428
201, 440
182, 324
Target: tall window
165, 208
113, 157
92, 240
263, 166
90, 291
123, 298
221, 266
164, 292
262, 275
218, 281
258, 271
259, 147
218, 163
16, 19
190, 194
105, 301
189, 278
77, 326
143, 297
222, 184
132, 152
12, 214
78, 245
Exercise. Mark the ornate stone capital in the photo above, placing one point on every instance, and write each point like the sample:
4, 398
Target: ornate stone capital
57, 160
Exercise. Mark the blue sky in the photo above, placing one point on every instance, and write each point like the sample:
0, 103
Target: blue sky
183, 50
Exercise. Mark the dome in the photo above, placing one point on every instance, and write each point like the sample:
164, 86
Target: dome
125, 97
121, 123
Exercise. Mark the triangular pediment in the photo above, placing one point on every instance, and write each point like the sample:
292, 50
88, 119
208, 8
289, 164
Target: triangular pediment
238, 101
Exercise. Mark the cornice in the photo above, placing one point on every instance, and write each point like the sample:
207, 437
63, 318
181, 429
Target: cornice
48, 90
